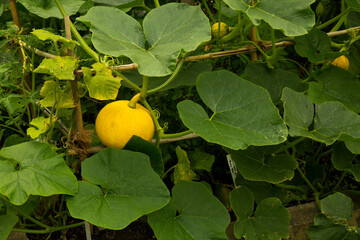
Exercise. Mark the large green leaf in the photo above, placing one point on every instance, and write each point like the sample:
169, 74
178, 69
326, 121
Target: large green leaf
243, 113
103, 85
61, 67
336, 84
256, 164
344, 160
7, 222
193, 213
270, 221
298, 112
167, 29
316, 46
293, 17
46, 9
34, 168
332, 121
121, 187
338, 207
273, 80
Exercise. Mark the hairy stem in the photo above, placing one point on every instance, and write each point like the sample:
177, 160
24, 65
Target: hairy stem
170, 79
77, 35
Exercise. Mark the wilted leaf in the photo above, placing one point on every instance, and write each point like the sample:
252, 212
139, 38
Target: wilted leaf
61, 67
103, 85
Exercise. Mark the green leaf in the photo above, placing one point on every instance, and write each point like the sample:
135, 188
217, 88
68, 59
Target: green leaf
7, 222
44, 35
336, 84
182, 170
270, 221
344, 160
243, 113
316, 46
186, 77
325, 229
353, 4
201, 160
262, 190
46, 11
332, 121
273, 80
193, 213
64, 96
167, 29
41, 125
293, 17
353, 145
298, 112
338, 207
137, 144
256, 164
103, 85
61, 67
14, 103
33, 168
121, 4
121, 187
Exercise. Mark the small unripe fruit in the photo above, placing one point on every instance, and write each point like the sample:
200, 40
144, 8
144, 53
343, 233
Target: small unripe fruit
215, 30
341, 62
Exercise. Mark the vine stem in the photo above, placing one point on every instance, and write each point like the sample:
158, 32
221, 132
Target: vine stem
339, 182
234, 33
48, 230
258, 48
290, 187
212, 19
254, 56
316, 193
165, 173
158, 128
289, 145
18, 131
170, 79
321, 26
127, 81
145, 86
18, 209
157, 4
77, 35
175, 135
74, 89
306, 180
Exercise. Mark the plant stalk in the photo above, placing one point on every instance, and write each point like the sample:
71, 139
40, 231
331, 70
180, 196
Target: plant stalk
170, 79
77, 35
